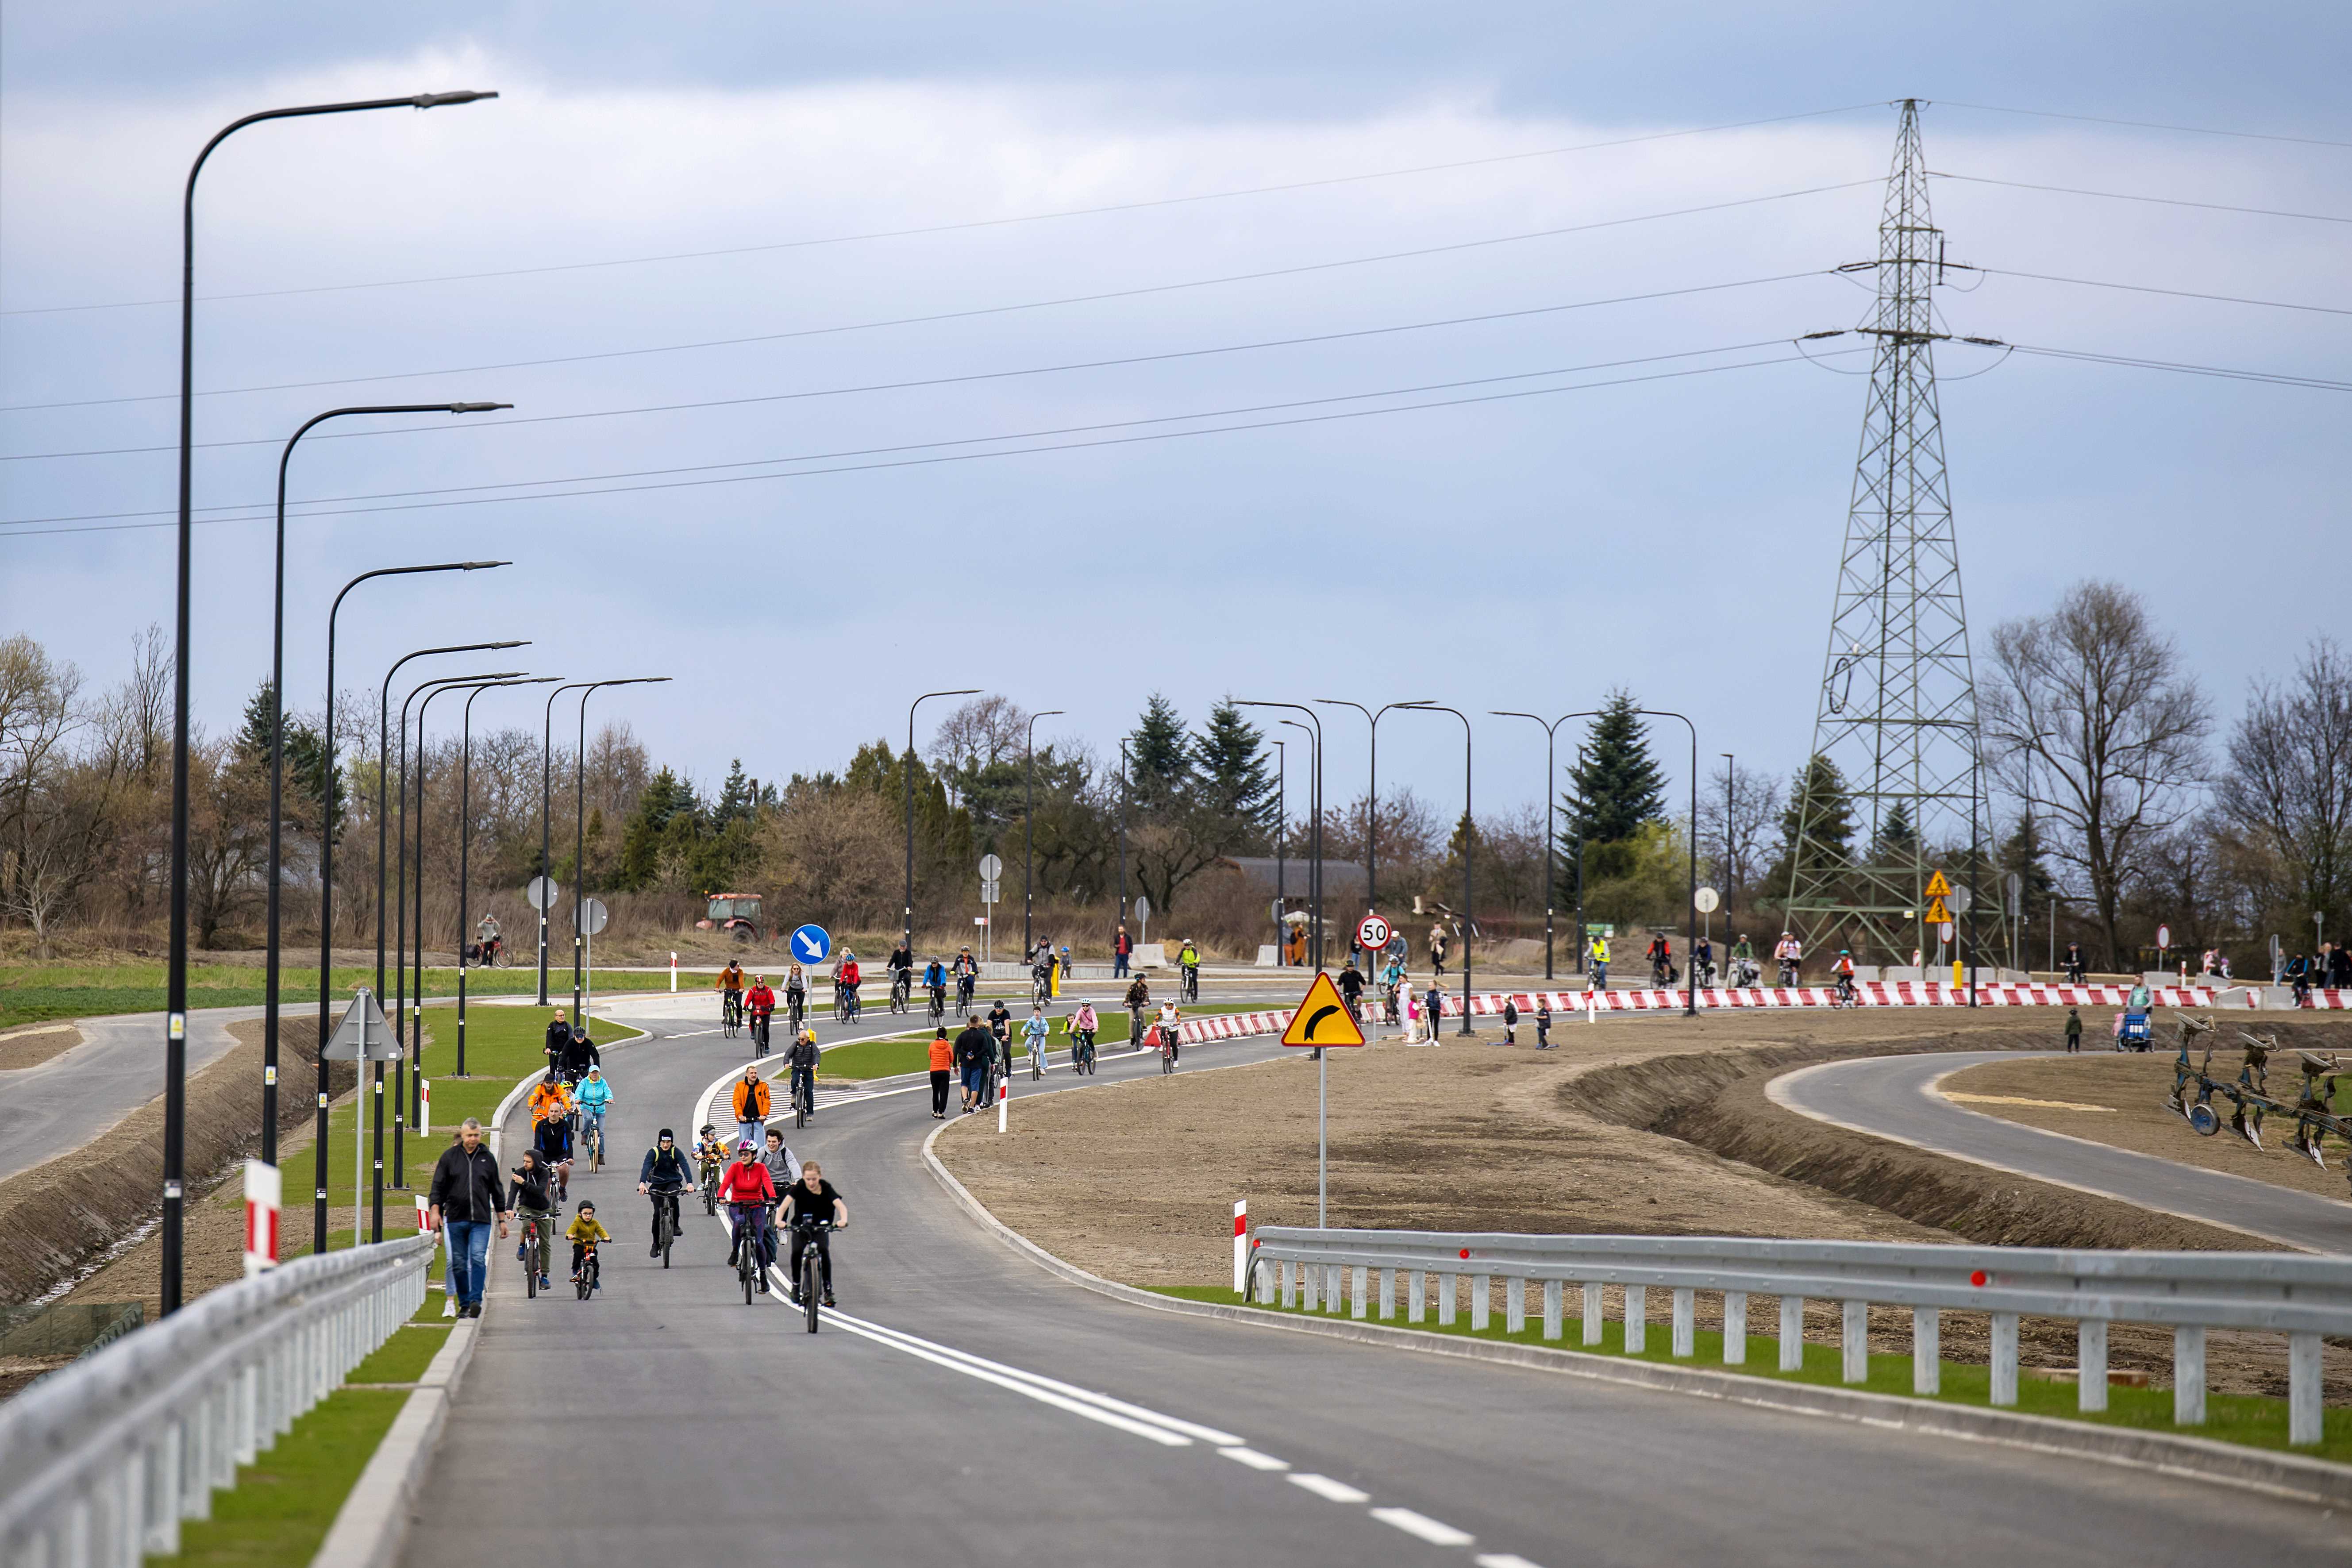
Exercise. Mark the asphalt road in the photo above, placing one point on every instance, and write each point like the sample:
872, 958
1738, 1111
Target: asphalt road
1888, 1095
667, 1421
75, 1095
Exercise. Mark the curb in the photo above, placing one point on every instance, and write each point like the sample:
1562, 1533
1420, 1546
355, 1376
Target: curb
2285, 1475
373, 1525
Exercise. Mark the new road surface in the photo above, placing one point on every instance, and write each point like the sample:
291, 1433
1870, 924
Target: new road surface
964, 1406
75, 1095
1893, 1097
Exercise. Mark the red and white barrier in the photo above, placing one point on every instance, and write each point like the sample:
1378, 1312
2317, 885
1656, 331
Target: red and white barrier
1241, 1247
263, 1189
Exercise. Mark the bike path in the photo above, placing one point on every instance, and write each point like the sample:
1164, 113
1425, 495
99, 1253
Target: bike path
1893, 1097
668, 1421
77, 1095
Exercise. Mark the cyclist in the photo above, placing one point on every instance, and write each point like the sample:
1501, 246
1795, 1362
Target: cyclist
2074, 963
558, 1039
975, 1047
751, 1102
902, 975
804, 1059
664, 1175
1703, 962
934, 981
1844, 971
710, 1154
552, 1140
1083, 1025
846, 977
731, 992
584, 1232
747, 1189
1169, 1018
1351, 990
579, 1055
1041, 973
549, 1098
1662, 960
1187, 963
1392, 987
761, 1004
1034, 1029
596, 1098
1743, 962
967, 975
1786, 955
528, 1188
999, 1025
782, 1166
809, 1202
1596, 960
1138, 997
795, 998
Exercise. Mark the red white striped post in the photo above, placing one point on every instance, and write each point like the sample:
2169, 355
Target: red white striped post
263, 1188
1003, 1096
1241, 1247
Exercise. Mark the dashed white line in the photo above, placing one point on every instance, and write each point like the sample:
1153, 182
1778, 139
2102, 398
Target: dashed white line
1326, 1487
1437, 1532
1501, 1560
1254, 1459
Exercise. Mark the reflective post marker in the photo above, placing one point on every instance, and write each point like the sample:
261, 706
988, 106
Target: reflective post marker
263, 1188
673, 972
1241, 1247
1003, 1095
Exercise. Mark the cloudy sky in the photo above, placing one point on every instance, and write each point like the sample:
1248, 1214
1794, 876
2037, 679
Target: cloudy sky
858, 351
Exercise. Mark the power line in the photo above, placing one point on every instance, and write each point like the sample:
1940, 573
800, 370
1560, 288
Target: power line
1143, 292
2126, 197
2267, 377
255, 509
2148, 124
956, 227
955, 380
2170, 293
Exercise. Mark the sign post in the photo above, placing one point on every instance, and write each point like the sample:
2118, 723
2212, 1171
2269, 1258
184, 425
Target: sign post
1241, 1247
541, 893
1322, 1019
593, 915
1143, 918
363, 1036
263, 1187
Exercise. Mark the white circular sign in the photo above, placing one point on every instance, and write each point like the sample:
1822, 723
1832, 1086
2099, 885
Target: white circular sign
1961, 900
991, 868
1706, 900
1142, 908
1372, 933
2164, 936
1944, 931
592, 916
541, 893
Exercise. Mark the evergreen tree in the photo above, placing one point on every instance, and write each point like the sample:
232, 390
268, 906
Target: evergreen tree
1619, 785
1160, 755
667, 824
1898, 841
738, 797
1820, 809
1230, 758
309, 776
2021, 853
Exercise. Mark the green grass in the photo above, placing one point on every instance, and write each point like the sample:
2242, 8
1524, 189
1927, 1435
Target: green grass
404, 1357
285, 1502
2251, 1419
32, 993
912, 1052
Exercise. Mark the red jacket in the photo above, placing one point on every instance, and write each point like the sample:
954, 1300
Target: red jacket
747, 1184
760, 999
849, 973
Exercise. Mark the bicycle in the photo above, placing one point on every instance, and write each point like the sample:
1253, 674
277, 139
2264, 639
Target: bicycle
842, 1010
1166, 1051
664, 1220
708, 1170
939, 1003
593, 1141
963, 993
751, 1251
534, 1251
1082, 1052
1037, 1058
803, 1099
807, 1272
760, 1032
730, 1013
585, 1282
796, 1010
1189, 988
1040, 987
902, 991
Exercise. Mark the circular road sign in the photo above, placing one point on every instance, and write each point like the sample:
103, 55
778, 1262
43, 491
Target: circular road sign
2164, 936
542, 892
592, 916
1706, 900
1944, 931
991, 868
1372, 933
1961, 900
811, 943
1142, 908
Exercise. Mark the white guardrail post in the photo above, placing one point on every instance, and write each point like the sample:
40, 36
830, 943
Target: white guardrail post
2298, 1296
102, 1460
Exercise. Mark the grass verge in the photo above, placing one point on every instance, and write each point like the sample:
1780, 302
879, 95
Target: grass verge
33, 994
2250, 1419
911, 1052
285, 1502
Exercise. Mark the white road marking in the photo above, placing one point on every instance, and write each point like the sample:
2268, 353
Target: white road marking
1254, 1459
1326, 1487
1435, 1531
1501, 1560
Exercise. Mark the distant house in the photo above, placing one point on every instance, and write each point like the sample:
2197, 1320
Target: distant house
1343, 882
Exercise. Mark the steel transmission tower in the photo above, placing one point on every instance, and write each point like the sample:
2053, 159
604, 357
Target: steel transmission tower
1897, 714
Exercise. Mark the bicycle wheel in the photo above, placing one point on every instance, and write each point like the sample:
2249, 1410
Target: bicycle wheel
668, 1227
710, 1199
800, 1110
530, 1261
1036, 1065
747, 1265
582, 1285
808, 1284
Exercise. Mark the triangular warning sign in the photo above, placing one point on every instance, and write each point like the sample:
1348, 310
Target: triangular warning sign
1938, 887
1937, 913
1322, 1019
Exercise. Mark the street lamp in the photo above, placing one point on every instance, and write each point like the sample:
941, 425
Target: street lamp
1730, 807
1281, 831
464, 852
909, 769
546, 802
580, 820
1315, 834
1469, 856
1549, 766
175, 1001
1690, 930
1122, 831
1028, 823
1372, 797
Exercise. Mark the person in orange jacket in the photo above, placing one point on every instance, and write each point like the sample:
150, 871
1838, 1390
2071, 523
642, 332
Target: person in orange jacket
943, 1071
751, 1103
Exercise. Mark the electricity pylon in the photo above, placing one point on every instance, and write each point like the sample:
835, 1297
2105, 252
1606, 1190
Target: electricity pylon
1897, 714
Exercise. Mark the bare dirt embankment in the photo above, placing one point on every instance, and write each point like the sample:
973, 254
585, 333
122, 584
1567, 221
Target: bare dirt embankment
1636, 1126
22, 1048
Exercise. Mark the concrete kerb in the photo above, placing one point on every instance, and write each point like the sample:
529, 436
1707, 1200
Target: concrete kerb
2288, 1475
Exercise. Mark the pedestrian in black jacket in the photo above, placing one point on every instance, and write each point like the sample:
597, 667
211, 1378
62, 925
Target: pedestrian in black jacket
559, 1040
467, 1197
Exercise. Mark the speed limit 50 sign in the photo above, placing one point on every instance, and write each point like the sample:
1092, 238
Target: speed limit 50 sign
1372, 933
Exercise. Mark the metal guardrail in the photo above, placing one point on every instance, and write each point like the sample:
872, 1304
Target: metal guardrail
101, 1461
2301, 1295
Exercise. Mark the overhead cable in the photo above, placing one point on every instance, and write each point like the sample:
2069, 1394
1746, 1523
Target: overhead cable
2128, 197
2148, 124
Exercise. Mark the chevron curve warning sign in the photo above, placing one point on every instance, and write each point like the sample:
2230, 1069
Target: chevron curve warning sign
1322, 1019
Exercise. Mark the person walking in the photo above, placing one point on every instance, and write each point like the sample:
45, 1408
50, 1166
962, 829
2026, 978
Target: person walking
1510, 1021
753, 1103
1543, 1022
467, 1197
2074, 1031
1123, 949
1437, 949
943, 1071
975, 1050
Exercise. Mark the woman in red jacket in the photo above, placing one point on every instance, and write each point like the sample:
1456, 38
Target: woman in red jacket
747, 1190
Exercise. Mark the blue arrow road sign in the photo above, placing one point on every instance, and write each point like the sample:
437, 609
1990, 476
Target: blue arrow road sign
810, 944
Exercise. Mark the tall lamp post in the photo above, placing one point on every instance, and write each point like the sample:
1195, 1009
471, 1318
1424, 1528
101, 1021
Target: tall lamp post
1315, 834
1469, 856
1371, 796
1122, 830
465, 855
1281, 831
1028, 827
1730, 804
175, 999
908, 767
580, 820
546, 803
1690, 996
1550, 773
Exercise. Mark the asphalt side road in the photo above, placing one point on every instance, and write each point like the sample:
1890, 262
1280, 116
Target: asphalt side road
1890, 1096
966, 1408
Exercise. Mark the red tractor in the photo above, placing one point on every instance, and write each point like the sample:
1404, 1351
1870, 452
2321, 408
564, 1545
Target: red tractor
736, 914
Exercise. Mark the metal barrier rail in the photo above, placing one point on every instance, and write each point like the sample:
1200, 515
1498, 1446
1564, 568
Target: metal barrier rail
100, 1462
2299, 1295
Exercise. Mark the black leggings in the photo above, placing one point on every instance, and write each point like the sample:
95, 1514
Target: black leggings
940, 1077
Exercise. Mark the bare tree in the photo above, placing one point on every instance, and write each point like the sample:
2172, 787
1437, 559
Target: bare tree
831, 848
2289, 782
2090, 720
135, 722
1738, 818
981, 734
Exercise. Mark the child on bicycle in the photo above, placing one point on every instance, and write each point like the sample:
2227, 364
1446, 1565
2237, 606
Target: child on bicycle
804, 1056
585, 1231
1083, 1025
1033, 1030
710, 1153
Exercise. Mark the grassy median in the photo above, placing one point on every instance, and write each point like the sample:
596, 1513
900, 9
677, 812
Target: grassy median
33, 994
912, 1052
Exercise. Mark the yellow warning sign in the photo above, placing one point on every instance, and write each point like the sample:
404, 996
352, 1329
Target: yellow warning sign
1937, 914
1322, 1019
1939, 888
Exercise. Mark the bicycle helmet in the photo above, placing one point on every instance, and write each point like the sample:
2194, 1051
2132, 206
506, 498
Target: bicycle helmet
745, 1146
706, 1130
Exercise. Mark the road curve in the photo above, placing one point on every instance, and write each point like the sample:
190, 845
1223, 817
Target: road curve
972, 1408
75, 1095
1893, 1097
